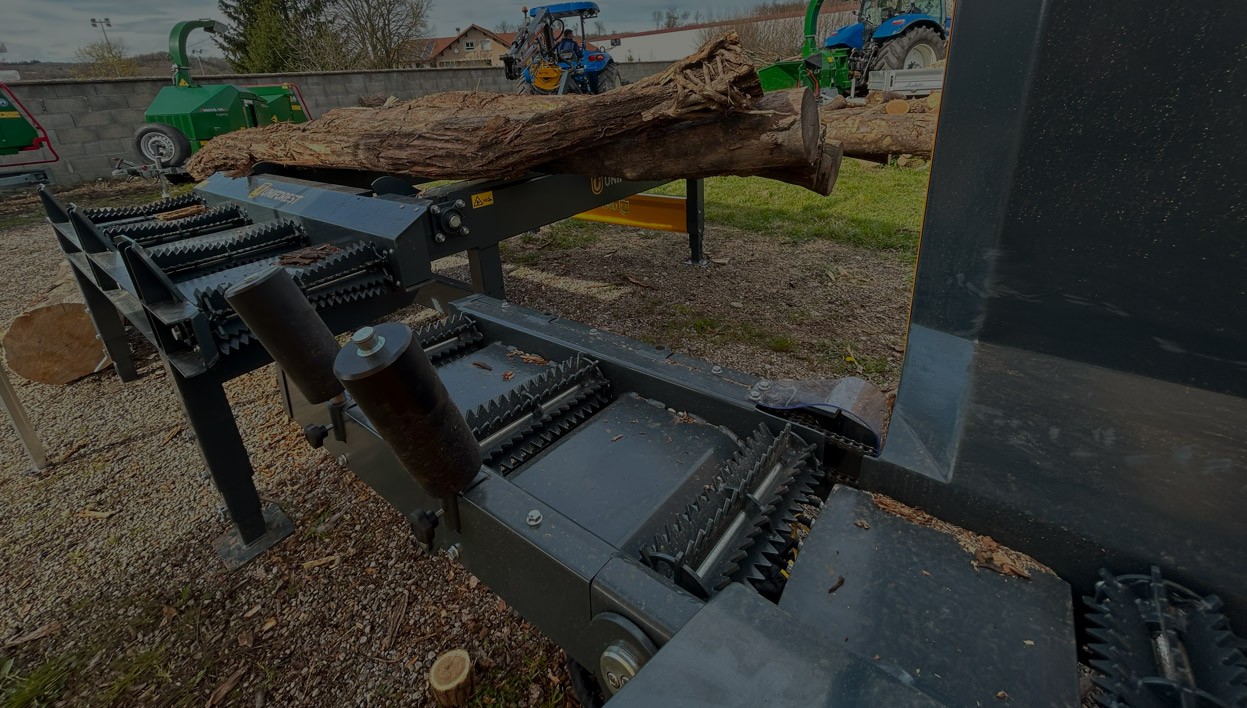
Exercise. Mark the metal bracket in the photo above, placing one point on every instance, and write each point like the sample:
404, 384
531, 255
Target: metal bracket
236, 553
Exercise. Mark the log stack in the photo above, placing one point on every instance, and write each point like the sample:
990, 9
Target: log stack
886, 125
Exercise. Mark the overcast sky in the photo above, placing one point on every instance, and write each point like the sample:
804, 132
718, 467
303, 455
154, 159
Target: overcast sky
50, 30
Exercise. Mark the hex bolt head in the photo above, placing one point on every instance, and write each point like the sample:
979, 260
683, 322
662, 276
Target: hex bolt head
453, 552
440, 238
755, 395
716, 369
534, 518
460, 203
465, 231
764, 385
435, 209
343, 459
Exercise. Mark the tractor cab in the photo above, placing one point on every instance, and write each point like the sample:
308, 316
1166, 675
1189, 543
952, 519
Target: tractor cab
545, 61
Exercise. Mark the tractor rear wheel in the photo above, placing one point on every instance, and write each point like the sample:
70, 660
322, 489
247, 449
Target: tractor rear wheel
609, 79
158, 140
918, 48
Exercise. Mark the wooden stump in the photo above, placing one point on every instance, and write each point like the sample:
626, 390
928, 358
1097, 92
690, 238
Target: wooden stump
451, 678
53, 341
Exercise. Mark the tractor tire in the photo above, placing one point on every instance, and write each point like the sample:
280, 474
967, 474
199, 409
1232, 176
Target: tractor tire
609, 79
918, 48
158, 140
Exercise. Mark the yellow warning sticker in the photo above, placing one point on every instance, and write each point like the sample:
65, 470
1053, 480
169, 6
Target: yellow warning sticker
10, 114
483, 199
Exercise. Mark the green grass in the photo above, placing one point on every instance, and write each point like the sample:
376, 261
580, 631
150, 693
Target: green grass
874, 207
682, 319
42, 685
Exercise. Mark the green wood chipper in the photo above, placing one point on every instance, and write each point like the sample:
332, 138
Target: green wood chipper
186, 115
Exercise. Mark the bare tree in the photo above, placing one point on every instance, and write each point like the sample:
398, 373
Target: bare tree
673, 18
368, 34
505, 27
657, 16
768, 38
104, 59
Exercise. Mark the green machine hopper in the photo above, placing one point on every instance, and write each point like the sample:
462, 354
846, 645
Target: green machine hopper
185, 116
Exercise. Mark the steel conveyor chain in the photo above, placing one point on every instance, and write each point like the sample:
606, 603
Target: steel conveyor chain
704, 545
150, 233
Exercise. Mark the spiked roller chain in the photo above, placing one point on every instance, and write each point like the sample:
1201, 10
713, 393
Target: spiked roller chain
354, 274
105, 215
515, 426
150, 233
704, 546
1163, 645
446, 340
228, 251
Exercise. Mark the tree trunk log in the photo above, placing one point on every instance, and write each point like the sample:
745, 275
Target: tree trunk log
53, 341
870, 135
451, 678
467, 135
780, 139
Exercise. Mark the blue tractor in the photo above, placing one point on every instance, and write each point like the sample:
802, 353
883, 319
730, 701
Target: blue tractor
894, 34
544, 62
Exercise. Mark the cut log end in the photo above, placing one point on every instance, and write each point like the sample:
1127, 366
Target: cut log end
451, 678
54, 344
896, 107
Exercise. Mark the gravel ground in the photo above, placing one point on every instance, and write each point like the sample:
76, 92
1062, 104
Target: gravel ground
108, 556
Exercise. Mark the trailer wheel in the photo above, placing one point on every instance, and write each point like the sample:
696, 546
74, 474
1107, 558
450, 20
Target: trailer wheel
157, 140
916, 49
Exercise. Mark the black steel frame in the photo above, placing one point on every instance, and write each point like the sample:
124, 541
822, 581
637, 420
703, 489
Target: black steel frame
121, 286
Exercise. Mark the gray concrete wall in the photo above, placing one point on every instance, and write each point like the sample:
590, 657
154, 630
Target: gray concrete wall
92, 122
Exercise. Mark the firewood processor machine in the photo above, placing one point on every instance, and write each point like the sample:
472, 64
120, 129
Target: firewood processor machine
1074, 387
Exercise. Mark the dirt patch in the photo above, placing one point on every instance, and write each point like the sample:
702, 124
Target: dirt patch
764, 305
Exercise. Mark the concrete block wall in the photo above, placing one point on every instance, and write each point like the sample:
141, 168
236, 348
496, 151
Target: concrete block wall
92, 122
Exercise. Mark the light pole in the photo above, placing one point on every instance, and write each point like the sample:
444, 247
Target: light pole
103, 25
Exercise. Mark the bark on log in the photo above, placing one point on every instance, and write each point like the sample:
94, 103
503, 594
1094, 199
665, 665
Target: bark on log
53, 341
451, 678
467, 135
780, 139
869, 135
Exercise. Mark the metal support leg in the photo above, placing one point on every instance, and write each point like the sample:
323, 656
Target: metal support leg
109, 326
695, 193
25, 431
486, 266
256, 529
